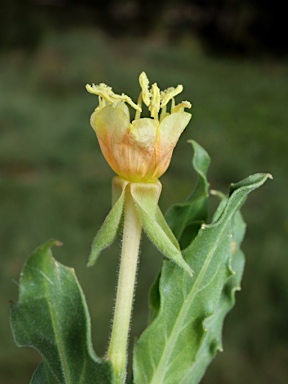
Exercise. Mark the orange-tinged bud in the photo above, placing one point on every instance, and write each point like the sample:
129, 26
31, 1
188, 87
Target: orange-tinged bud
140, 150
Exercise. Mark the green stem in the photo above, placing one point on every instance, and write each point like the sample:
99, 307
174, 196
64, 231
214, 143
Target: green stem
117, 351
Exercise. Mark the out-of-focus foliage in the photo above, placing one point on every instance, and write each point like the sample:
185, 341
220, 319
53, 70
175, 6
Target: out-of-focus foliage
20, 26
225, 27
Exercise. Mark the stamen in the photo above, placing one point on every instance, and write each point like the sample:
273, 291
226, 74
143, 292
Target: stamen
138, 112
181, 106
128, 100
172, 105
106, 93
163, 113
169, 93
155, 101
144, 83
101, 90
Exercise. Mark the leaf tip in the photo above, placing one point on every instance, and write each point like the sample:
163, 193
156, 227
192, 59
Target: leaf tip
51, 243
58, 243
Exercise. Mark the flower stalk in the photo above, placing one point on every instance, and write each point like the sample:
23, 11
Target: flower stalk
118, 346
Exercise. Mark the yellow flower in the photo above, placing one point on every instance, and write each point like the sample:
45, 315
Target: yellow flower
140, 150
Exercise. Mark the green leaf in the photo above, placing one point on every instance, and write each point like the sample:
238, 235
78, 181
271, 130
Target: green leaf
169, 348
214, 324
186, 218
51, 316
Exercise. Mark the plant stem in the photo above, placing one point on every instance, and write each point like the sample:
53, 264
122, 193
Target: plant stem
117, 351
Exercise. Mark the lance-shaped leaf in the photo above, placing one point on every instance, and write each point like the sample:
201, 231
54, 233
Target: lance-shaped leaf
214, 324
51, 316
169, 347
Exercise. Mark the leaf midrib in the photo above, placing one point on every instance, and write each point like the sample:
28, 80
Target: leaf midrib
222, 312
182, 314
58, 337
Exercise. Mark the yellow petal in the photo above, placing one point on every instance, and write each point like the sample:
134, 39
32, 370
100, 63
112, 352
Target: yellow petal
110, 121
171, 128
143, 133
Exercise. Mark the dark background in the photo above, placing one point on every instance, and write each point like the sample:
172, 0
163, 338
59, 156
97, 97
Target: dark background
231, 57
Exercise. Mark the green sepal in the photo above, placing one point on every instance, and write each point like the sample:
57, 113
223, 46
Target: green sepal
146, 196
109, 229
51, 315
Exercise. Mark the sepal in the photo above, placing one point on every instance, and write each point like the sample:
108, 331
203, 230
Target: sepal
107, 233
146, 198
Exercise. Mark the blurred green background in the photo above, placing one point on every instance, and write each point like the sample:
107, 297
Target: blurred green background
232, 61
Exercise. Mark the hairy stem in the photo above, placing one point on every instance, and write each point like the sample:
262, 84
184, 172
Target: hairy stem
117, 351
